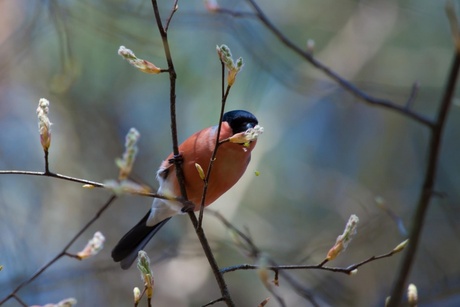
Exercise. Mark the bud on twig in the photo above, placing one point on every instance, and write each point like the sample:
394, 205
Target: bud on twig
310, 45
126, 186
247, 136
142, 65
412, 295
233, 67
344, 239
44, 124
143, 264
93, 247
129, 156
400, 246
200, 171
137, 295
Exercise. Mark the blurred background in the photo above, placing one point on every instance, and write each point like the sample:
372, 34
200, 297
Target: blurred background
324, 154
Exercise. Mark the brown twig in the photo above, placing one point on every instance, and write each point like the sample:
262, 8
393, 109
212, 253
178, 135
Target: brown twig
254, 252
47, 165
79, 180
275, 268
220, 299
428, 185
345, 84
173, 11
436, 127
63, 253
53, 175
216, 147
172, 95
179, 172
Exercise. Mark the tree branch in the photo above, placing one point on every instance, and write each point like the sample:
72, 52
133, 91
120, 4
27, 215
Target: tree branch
216, 147
428, 185
346, 85
179, 172
63, 253
254, 252
346, 270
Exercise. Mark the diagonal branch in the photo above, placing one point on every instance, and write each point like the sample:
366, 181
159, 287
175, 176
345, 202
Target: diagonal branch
428, 185
345, 84
177, 161
63, 253
216, 147
255, 252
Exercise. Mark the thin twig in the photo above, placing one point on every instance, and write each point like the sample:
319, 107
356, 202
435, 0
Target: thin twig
428, 185
53, 175
60, 255
413, 94
220, 299
254, 252
19, 300
346, 270
47, 165
83, 181
173, 11
216, 147
177, 162
172, 97
348, 86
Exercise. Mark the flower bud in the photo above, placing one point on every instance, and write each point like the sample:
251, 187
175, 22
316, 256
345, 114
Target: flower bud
129, 156
233, 67
200, 171
401, 246
344, 239
143, 264
44, 124
93, 247
142, 65
247, 136
412, 295
310, 45
137, 295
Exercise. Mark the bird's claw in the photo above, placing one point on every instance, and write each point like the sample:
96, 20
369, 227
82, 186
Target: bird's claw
176, 158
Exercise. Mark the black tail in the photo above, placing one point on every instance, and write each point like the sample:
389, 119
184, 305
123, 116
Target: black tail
136, 239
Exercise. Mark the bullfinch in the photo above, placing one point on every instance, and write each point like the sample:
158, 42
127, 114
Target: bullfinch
230, 164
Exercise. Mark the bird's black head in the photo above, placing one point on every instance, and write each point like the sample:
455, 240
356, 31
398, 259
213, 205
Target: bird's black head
240, 120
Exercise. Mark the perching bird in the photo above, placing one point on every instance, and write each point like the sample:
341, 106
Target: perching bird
230, 164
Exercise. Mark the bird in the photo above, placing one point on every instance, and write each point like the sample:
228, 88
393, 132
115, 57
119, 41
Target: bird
229, 165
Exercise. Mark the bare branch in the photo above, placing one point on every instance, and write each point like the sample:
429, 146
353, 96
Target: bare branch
63, 253
345, 84
179, 172
428, 185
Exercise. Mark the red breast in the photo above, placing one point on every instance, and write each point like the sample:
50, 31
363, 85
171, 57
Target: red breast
230, 164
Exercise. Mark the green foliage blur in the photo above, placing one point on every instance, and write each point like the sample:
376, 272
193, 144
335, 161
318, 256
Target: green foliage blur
324, 155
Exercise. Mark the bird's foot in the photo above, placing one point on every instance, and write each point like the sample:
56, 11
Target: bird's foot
176, 158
